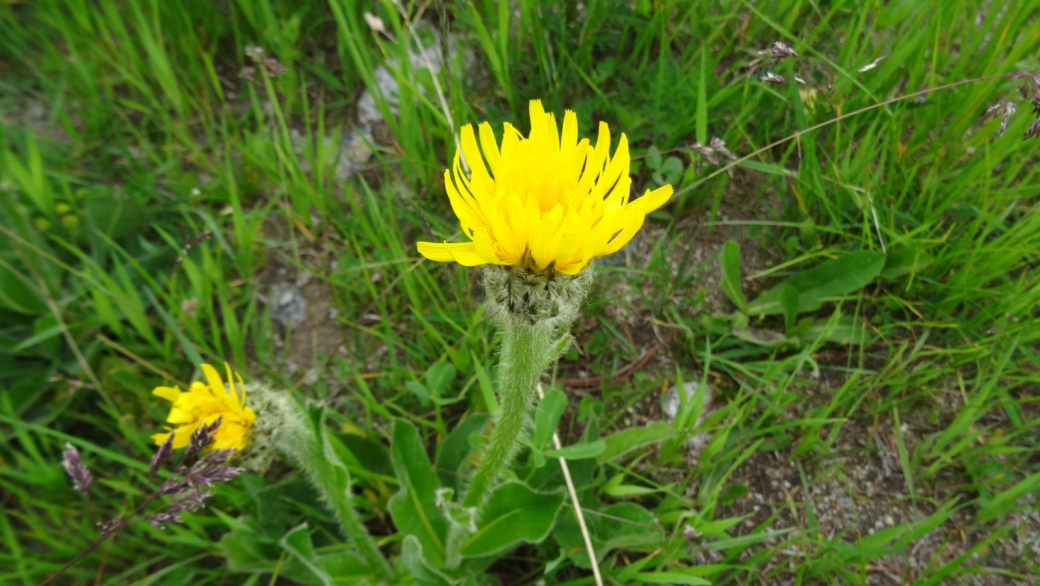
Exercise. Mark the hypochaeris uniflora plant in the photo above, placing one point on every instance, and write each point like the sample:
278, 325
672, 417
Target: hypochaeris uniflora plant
537, 214
250, 423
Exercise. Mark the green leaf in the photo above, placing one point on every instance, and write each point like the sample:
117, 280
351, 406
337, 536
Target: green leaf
369, 454
423, 572
701, 126
439, 377
1001, 504
577, 451
547, 416
789, 304
625, 525
486, 389
845, 330
114, 215
248, 552
16, 295
905, 261
763, 337
454, 450
420, 391
622, 490
768, 168
732, 493
840, 276
653, 158
627, 440
414, 507
513, 513
31, 179
560, 346
729, 262
297, 543
668, 578
672, 167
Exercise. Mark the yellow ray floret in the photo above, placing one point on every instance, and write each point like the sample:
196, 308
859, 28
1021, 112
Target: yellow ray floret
547, 201
205, 402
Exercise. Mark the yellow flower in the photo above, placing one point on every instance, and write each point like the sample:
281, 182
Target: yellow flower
543, 202
204, 403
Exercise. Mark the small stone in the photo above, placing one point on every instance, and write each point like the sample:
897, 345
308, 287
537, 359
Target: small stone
889, 521
289, 304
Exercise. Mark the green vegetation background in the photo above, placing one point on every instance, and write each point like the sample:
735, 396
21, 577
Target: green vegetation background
128, 134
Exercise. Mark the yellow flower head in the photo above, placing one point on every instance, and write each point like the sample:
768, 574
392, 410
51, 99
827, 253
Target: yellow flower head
548, 201
204, 403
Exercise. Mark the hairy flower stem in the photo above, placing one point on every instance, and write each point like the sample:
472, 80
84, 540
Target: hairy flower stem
525, 354
311, 450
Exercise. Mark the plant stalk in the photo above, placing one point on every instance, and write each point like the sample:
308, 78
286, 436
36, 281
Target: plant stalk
525, 354
312, 451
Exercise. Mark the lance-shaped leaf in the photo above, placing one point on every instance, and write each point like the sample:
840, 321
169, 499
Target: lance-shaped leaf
513, 513
421, 569
414, 507
833, 278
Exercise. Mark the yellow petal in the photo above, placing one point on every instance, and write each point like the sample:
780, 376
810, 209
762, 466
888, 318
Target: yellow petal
476, 162
487, 142
652, 200
630, 229
464, 253
169, 393
544, 246
216, 386
617, 166
182, 436
238, 394
569, 140
484, 248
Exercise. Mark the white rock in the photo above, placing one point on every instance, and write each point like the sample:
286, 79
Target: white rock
289, 306
431, 58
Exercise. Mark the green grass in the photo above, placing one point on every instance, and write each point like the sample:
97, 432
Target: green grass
126, 132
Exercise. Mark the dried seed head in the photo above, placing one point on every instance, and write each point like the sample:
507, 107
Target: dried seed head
374, 22
201, 438
780, 50
108, 527
712, 150
74, 465
1008, 110
191, 500
720, 147
274, 67
255, 53
1031, 93
162, 455
1034, 129
872, 64
773, 78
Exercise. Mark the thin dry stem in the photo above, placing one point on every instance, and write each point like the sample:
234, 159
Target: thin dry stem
577, 506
